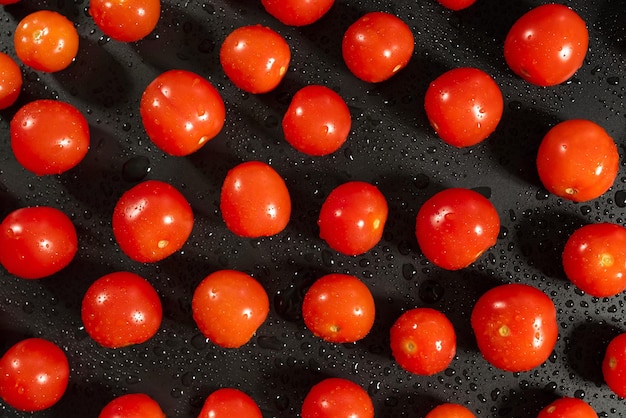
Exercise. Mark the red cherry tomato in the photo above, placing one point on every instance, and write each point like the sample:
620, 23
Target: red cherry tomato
37, 242
337, 397
339, 308
423, 341
152, 221
297, 12
614, 365
49, 136
255, 58
133, 405
255, 201
121, 309
46, 40
10, 81
353, 217
181, 111
455, 227
464, 106
450, 410
317, 121
7, 2
515, 326
456, 4
547, 45
34, 374
125, 20
228, 307
568, 408
228, 403
377, 46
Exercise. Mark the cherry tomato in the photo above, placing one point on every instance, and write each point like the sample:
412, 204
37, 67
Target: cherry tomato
594, 259
152, 221
34, 374
255, 58
297, 12
133, 405
49, 136
455, 227
228, 307
377, 46
339, 308
568, 408
450, 410
577, 160
37, 242
456, 4
46, 41
614, 365
10, 81
337, 397
121, 309
230, 402
7, 2
423, 341
317, 121
547, 45
181, 111
464, 106
124, 20
255, 201
515, 326
353, 217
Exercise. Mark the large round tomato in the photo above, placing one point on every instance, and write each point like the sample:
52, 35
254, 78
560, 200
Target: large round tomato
125, 20
297, 12
456, 4
614, 365
132, 405
450, 410
337, 397
10, 81
228, 403
567, 408
515, 326
181, 111
547, 45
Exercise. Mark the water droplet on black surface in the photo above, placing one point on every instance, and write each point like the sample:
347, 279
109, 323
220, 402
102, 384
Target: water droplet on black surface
430, 291
136, 169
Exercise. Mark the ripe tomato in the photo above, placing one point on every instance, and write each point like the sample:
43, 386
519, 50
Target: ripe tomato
230, 402
10, 81
353, 217
455, 227
423, 341
337, 397
49, 136
133, 405
7, 2
377, 46
450, 410
456, 5
120, 309
577, 160
152, 221
255, 201
547, 45
568, 408
515, 326
297, 12
614, 365
317, 121
34, 374
229, 306
46, 40
464, 106
339, 308
125, 20
37, 242
255, 58
181, 111
594, 259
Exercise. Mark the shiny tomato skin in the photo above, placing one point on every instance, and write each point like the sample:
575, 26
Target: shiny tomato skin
317, 121
228, 307
577, 160
46, 41
464, 106
228, 403
254, 200
515, 326
352, 218
151, 221
10, 81
7, 2
125, 20
255, 58
34, 374
49, 136
37, 242
339, 308
456, 4
297, 12
450, 410
423, 341
336, 397
566, 407
181, 111
455, 226
547, 45
132, 405
614, 365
